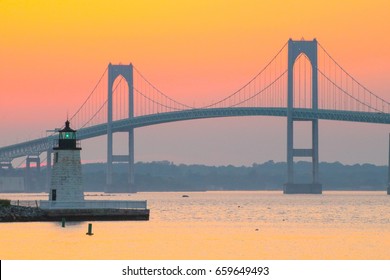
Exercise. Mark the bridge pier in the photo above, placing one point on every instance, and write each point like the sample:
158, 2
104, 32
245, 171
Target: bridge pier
295, 48
303, 188
388, 171
126, 71
30, 179
131, 175
48, 170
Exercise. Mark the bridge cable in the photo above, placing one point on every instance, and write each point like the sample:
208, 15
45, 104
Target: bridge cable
102, 106
159, 91
353, 79
258, 74
262, 90
347, 93
89, 96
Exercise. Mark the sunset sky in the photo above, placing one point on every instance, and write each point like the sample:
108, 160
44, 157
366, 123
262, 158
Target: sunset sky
53, 52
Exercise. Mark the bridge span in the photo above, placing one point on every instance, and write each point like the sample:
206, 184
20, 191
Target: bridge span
302, 82
44, 144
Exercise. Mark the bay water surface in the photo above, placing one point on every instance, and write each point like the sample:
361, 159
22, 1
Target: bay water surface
215, 225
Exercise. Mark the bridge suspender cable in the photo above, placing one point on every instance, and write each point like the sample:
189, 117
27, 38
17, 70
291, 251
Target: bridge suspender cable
89, 96
371, 94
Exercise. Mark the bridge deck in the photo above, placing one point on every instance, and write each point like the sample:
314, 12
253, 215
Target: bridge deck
37, 146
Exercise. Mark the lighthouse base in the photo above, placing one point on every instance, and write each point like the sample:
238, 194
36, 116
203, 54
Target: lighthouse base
97, 214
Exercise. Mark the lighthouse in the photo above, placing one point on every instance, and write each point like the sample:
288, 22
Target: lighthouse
66, 196
66, 178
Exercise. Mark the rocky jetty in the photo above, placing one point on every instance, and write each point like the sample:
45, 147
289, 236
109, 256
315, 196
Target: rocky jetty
14, 213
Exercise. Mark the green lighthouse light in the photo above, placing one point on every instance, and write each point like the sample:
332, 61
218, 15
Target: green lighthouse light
67, 138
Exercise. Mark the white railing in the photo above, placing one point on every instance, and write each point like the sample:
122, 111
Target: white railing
25, 203
94, 204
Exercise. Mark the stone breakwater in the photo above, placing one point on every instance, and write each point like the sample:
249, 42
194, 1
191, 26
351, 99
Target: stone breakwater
14, 213
33, 214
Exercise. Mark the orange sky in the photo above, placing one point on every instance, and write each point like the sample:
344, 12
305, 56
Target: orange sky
53, 52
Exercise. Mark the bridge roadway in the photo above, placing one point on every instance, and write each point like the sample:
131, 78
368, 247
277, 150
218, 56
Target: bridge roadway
37, 146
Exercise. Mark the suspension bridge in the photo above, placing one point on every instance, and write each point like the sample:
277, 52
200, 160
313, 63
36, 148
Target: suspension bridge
302, 82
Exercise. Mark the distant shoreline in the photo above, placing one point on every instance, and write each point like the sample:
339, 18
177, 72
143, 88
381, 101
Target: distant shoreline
165, 176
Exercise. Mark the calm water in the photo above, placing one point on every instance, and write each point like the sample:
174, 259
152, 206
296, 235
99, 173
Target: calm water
217, 225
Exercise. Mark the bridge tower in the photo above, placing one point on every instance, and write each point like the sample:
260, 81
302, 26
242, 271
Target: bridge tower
295, 48
126, 71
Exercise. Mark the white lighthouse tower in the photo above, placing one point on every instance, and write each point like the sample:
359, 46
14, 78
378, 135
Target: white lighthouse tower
66, 178
66, 196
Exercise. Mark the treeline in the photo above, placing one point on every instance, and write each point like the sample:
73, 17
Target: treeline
167, 176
